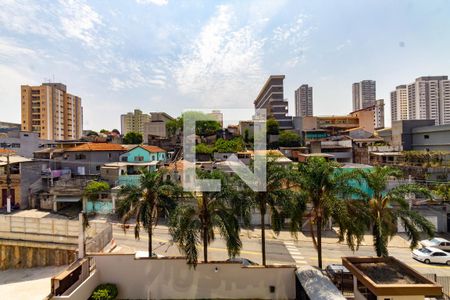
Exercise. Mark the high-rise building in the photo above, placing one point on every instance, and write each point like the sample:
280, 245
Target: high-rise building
363, 94
52, 112
134, 122
426, 98
271, 97
304, 101
156, 127
217, 115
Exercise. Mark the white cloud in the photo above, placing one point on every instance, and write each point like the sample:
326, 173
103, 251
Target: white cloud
155, 2
72, 19
343, 45
9, 49
224, 64
79, 21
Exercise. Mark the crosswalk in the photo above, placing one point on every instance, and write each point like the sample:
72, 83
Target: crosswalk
295, 253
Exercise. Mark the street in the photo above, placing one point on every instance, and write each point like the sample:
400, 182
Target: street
279, 250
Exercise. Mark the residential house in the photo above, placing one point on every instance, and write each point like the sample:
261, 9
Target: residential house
126, 170
23, 173
87, 159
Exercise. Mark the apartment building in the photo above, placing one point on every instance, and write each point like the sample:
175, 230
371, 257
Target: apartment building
426, 98
217, 115
133, 122
304, 101
378, 113
271, 98
156, 126
52, 112
363, 94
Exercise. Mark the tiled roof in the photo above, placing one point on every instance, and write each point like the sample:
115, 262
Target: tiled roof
97, 147
153, 148
179, 165
6, 151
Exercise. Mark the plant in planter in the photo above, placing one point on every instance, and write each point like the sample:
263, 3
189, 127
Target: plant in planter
106, 291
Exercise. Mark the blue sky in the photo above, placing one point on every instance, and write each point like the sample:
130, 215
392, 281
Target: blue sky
166, 55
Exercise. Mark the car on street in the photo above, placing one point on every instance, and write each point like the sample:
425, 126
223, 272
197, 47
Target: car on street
431, 255
244, 261
340, 276
438, 243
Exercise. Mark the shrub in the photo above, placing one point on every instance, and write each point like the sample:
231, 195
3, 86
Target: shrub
106, 291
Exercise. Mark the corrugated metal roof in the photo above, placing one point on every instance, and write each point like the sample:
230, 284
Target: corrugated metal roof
317, 285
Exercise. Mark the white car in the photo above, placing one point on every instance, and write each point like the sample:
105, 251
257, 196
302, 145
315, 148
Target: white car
431, 255
438, 243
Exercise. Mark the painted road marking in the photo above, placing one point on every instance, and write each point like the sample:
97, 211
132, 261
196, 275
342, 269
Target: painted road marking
295, 253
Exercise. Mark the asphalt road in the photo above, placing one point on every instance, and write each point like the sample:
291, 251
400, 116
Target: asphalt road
278, 251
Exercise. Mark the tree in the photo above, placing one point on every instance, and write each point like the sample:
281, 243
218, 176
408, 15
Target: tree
229, 146
273, 128
246, 136
204, 149
194, 224
207, 125
104, 131
134, 138
386, 207
289, 138
273, 198
329, 191
94, 189
145, 201
443, 191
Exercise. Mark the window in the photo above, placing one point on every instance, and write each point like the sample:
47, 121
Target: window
124, 158
109, 155
97, 168
426, 136
138, 158
80, 156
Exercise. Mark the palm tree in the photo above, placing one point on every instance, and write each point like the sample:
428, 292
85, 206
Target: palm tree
330, 193
194, 223
146, 200
386, 207
276, 193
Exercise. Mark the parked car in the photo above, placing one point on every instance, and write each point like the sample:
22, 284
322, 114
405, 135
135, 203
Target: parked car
431, 255
340, 276
244, 261
438, 243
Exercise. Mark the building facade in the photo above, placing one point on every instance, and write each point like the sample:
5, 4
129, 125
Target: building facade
156, 126
271, 98
52, 112
363, 94
134, 122
217, 115
304, 101
378, 113
428, 98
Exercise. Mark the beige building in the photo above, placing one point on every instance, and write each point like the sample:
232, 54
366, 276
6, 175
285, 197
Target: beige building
156, 126
134, 122
377, 113
52, 112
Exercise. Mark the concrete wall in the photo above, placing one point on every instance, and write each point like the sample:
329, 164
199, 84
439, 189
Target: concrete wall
92, 163
172, 278
84, 290
18, 254
433, 138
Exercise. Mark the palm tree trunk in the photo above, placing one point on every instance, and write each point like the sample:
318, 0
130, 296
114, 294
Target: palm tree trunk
150, 250
262, 210
205, 228
205, 244
319, 240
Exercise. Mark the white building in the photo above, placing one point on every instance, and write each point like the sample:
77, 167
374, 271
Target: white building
426, 98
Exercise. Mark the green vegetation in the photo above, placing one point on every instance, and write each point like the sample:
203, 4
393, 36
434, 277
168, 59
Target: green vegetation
289, 138
425, 158
385, 208
207, 126
194, 224
443, 191
273, 128
229, 146
94, 190
329, 194
204, 149
146, 201
106, 291
133, 138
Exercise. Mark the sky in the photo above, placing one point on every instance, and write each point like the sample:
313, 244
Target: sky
167, 55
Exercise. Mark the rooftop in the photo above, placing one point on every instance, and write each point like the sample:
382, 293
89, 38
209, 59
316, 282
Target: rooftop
152, 148
97, 147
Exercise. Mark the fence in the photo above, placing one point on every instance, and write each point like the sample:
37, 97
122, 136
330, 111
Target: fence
442, 280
